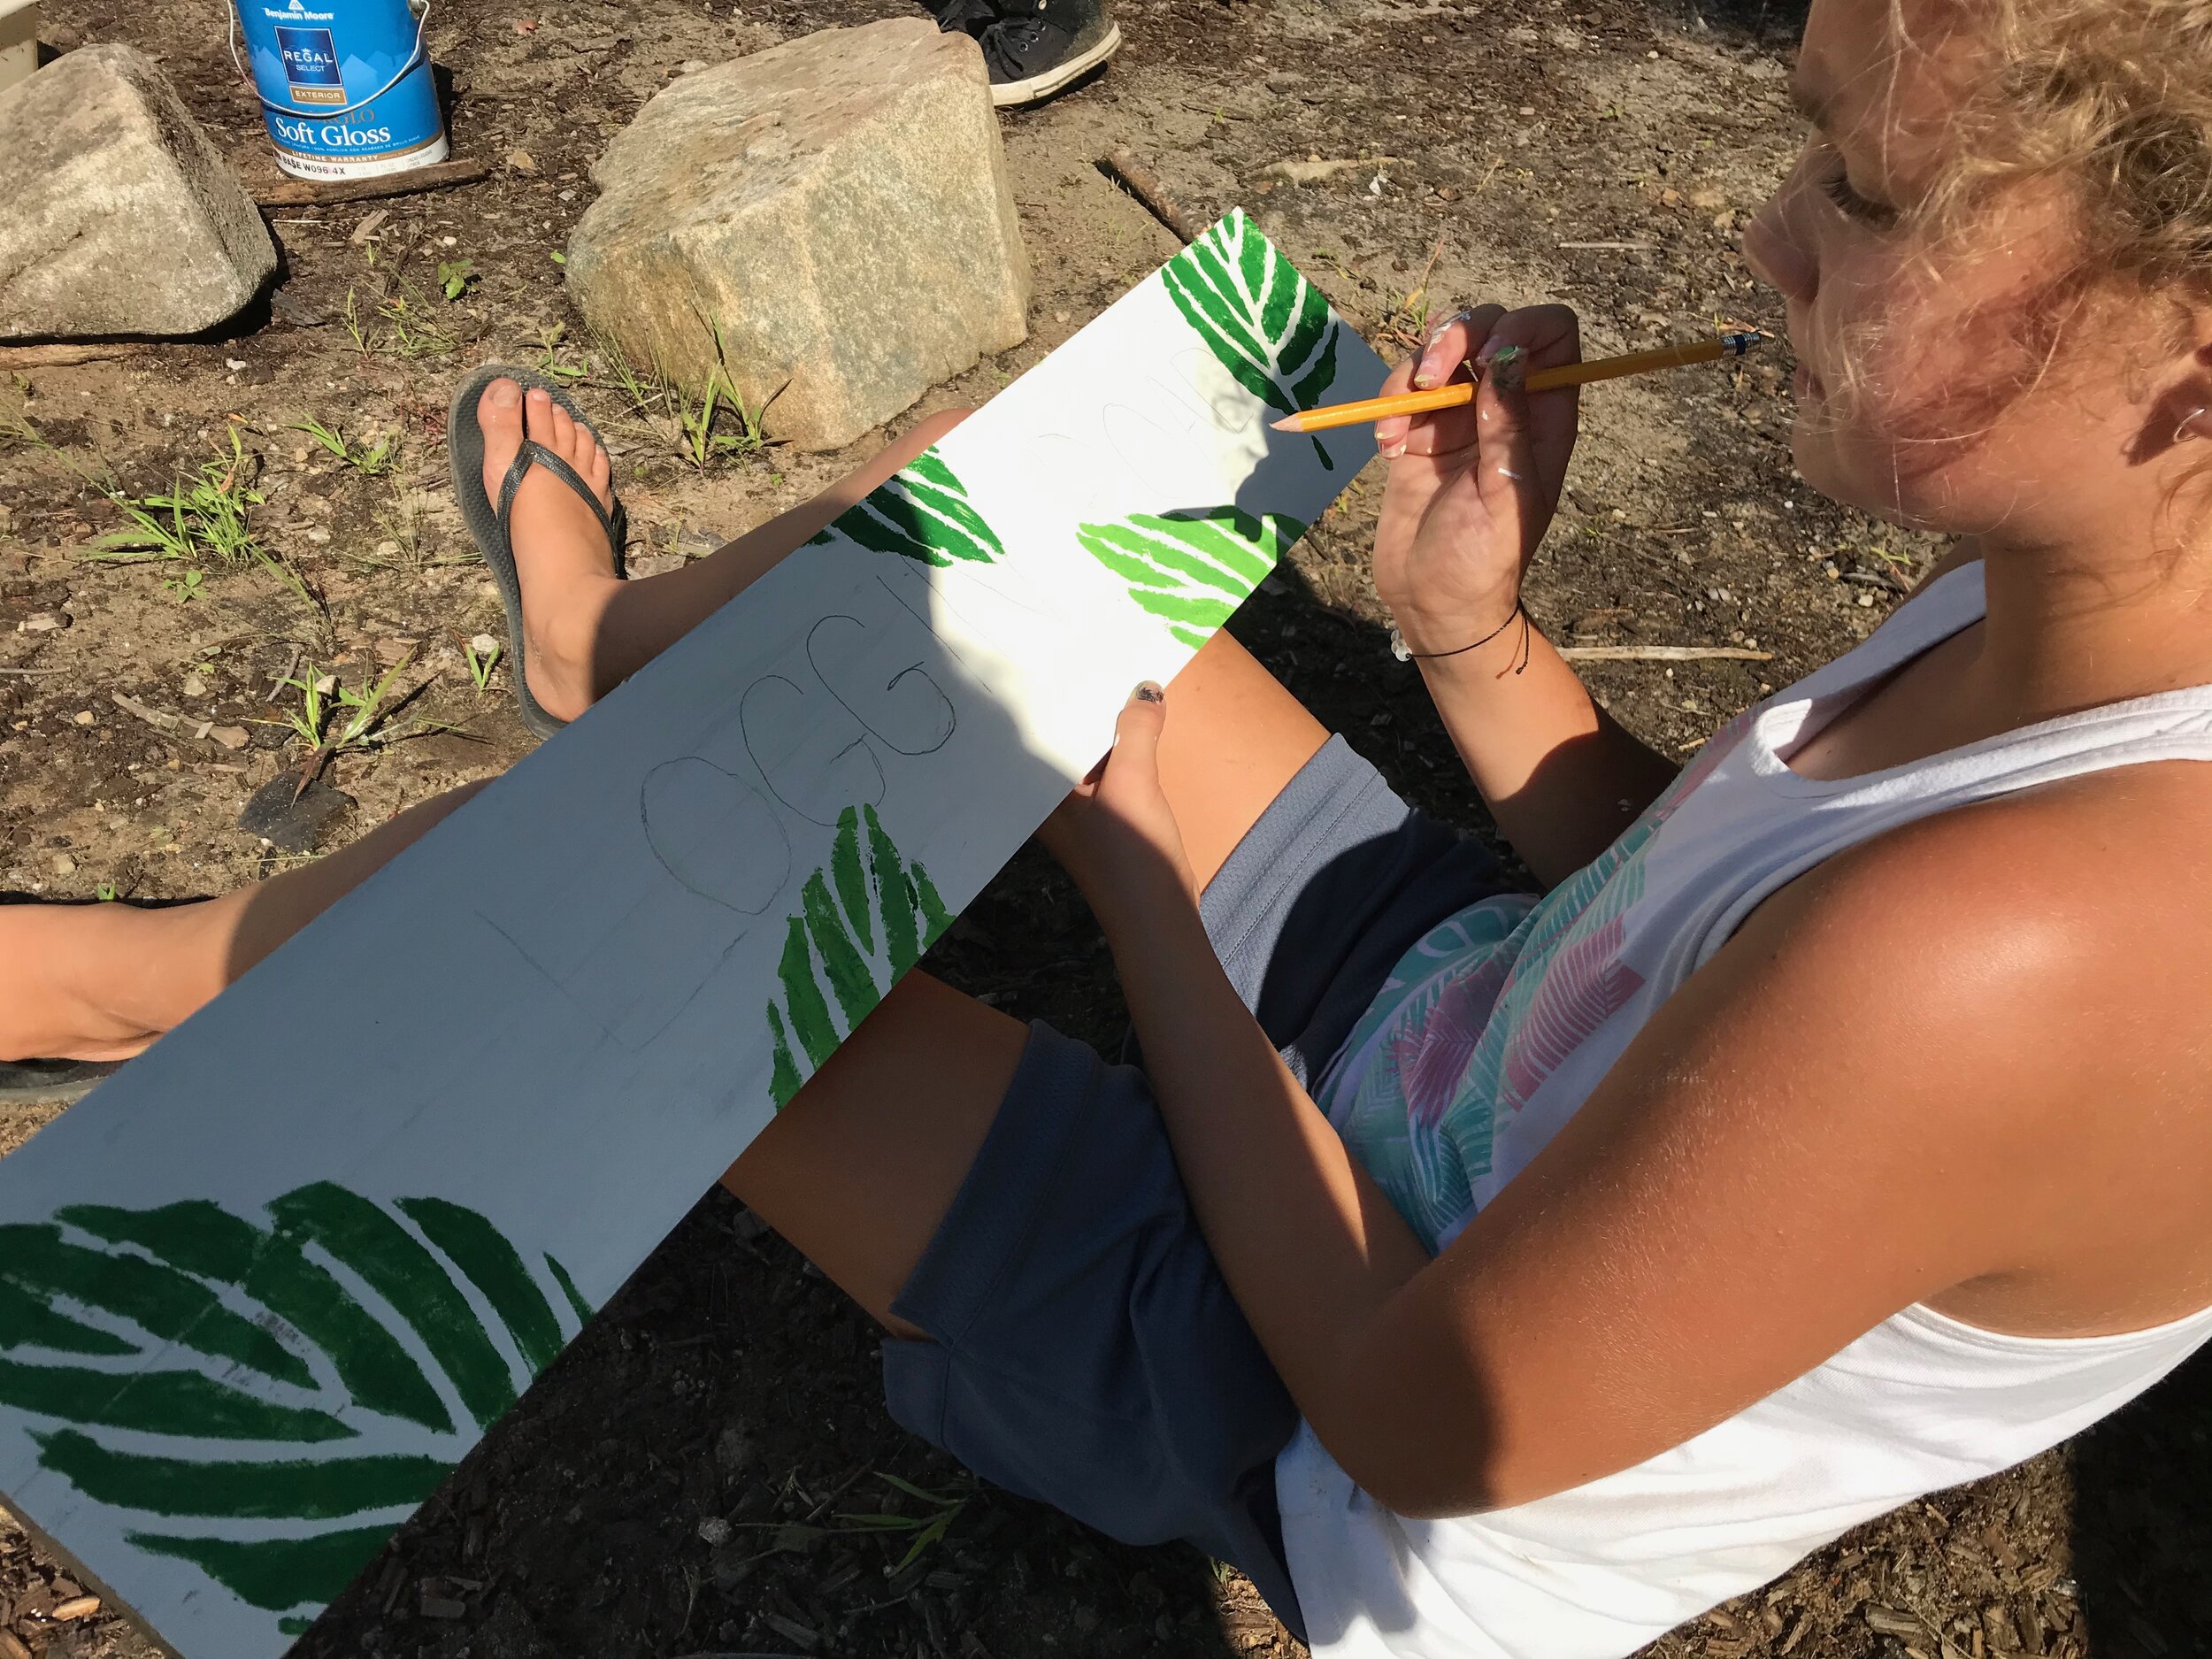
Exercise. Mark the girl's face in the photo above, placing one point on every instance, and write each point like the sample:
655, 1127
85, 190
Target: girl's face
1941, 384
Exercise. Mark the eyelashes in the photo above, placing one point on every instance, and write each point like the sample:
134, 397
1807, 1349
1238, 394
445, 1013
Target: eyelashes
1836, 185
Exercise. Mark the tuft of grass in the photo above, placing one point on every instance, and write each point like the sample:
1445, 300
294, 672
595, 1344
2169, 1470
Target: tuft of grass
332, 718
209, 513
482, 654
703, 422
371, 460
551, 364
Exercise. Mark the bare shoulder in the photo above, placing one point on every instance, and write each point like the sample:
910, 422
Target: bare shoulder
2032, 978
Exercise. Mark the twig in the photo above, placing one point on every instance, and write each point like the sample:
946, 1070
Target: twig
30, 670
59, 357
276, 686
160, 721
1141, 183
323, 192
1663, 654
1612, 247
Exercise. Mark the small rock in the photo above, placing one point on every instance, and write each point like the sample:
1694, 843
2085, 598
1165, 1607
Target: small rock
692, 66
195, 687
45, 622
483, 645
784, 196
714, 1529
521, 160
386, 550
121, 216
734, 1452
64, 864
289, 826
654, 564
230, 736
84, 717
437, 1606
317, 535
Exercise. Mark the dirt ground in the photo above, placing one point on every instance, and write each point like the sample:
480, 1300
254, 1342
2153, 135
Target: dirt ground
1597, 152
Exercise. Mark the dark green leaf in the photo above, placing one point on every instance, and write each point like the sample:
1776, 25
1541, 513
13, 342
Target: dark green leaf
167, 1303
810, 1014
205, 1239
494, 1267
276, 1573
850, 979
297, 1490
406, 1275
160, 1403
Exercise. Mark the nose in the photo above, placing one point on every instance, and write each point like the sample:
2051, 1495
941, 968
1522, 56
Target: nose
1775, 247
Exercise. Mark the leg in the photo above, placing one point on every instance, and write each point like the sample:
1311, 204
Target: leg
858, 1170
101, 982
585, 630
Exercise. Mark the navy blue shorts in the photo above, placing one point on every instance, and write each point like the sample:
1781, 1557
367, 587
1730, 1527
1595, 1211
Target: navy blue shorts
1085, 1350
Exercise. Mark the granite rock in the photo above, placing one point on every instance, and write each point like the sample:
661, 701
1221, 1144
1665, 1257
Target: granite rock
837, 205
119, 216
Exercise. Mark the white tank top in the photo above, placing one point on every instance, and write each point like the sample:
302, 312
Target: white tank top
1488, 1037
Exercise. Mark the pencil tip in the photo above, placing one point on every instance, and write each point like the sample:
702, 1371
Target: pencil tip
1288, 423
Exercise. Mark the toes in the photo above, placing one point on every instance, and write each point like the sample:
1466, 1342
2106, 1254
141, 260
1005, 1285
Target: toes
563, 440
538, 415
499, 413
599, 473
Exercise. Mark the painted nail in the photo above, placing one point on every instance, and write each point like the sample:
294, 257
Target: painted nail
1509, 368
1150, 692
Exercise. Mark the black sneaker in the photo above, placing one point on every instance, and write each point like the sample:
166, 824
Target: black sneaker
1033, 48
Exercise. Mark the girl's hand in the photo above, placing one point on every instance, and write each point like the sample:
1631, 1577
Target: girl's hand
1115, 832
1472, 489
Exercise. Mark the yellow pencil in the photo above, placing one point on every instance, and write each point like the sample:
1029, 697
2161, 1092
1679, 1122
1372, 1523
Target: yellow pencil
1541, 381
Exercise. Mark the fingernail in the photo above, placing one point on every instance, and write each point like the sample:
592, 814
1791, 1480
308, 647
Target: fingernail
1149, 692
1435, 364
1391, 451
1509, 368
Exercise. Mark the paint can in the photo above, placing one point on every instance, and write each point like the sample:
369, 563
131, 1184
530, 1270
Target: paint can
345, 85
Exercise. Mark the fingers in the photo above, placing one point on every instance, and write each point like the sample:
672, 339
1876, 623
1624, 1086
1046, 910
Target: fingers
1452, 339
1137, 733
1550, 335
1505, 467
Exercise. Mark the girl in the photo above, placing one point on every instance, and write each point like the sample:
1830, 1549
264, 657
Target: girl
1490, 1274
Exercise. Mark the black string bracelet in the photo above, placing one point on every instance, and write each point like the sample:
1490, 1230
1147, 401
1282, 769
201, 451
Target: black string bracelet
1519, 613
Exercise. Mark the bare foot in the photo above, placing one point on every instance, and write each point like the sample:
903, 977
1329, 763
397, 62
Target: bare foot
562, 559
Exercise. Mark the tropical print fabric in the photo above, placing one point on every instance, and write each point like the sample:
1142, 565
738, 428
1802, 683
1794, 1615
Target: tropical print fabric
1489, 1007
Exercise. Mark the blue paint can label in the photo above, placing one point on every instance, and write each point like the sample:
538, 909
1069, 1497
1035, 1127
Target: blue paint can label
345, 86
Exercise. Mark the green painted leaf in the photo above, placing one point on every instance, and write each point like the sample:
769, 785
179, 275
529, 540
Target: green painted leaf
849, 980
1192, 569
833, 940
1261, 320
274, 1574
577, 1304
497, 1268
328, 1490
852, 882
206, 1239
922, 513
35, 1258
362, 1237
27, 1322
160, 1403
209, 1448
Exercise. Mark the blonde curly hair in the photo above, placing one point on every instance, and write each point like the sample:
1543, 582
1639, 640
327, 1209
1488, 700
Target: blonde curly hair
2113, 99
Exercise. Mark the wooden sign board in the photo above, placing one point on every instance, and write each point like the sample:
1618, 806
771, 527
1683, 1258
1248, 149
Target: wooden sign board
261, 1291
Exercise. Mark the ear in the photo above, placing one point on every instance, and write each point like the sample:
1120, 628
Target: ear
2182, 411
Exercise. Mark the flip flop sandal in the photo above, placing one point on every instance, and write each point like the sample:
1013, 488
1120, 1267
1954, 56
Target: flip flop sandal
62, 1080
487, 520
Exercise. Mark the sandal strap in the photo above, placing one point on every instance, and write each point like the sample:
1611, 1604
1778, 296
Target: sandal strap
534, 454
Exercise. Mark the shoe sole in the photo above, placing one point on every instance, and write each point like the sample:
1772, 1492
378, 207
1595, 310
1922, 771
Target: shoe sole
1036, 87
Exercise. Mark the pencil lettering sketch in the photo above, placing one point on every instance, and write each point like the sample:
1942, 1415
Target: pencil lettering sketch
262, 1289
